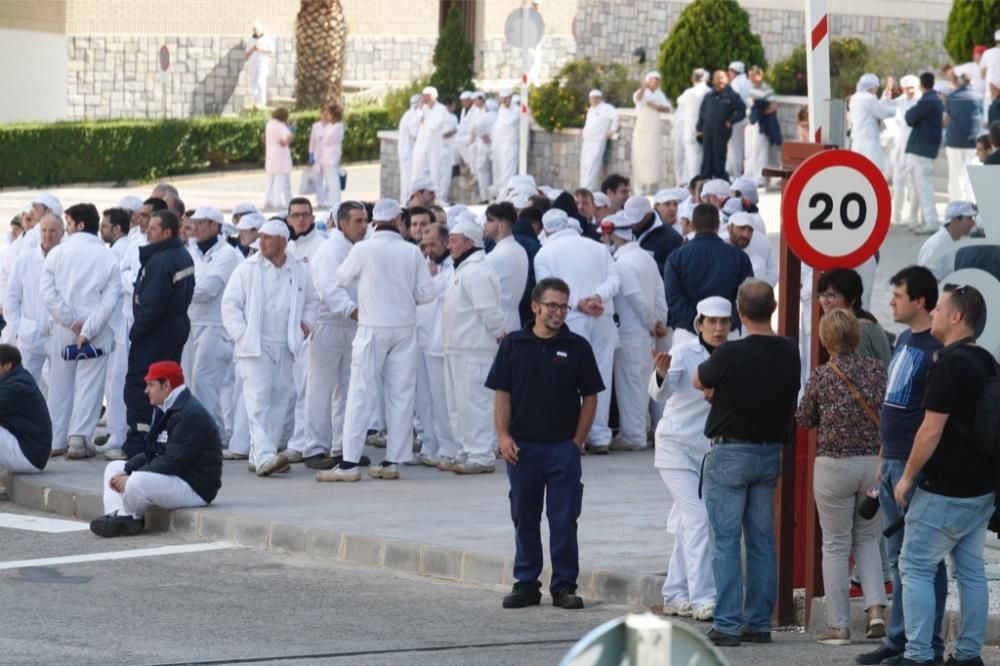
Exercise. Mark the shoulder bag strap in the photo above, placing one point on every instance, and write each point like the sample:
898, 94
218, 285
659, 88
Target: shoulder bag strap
857, 394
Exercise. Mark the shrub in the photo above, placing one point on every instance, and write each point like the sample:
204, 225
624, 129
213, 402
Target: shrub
562, 102
970, 22
397, 100
708, 34
848, 57
453, 57
35, 155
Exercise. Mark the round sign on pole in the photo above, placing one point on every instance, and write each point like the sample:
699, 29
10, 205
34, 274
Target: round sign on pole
836, 209
524, 28
164, 58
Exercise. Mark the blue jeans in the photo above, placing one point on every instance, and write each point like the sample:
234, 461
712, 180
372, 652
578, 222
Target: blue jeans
546, 474
936, 526
895, 637
739, 482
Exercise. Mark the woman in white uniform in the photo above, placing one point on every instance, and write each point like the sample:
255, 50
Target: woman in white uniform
647, 140
681, 444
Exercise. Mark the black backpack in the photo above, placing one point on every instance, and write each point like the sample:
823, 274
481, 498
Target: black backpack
986, 429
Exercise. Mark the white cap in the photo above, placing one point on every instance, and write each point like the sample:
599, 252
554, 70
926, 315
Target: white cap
208, 213
131, 203
454, 211
909, 81
520, 198
386, 210
574, 224
959, 209
244, 208
521, 179
668, 194
470, 230
747, 188
466, 94
737, 67
506, 92
422, 183
430, 90
618, 224
228, 229
250, 221
741, 219
274, 227
554, 220
469, 216
715, 187
551, 193
635, 209
595, 93
732, 207
601, 200
653, 74
50, 202
258, 26
714, 306
866, 82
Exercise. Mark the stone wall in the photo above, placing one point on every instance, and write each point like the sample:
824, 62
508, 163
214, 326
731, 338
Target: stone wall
500, 61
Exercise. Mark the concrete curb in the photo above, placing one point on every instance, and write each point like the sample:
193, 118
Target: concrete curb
422, 559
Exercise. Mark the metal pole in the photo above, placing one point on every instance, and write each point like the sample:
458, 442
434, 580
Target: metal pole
522, 143
818, 69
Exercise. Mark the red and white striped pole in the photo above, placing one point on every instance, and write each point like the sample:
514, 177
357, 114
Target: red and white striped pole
818, 69
523, 128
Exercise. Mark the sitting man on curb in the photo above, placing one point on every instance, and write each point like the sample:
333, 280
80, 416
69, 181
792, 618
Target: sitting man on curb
25, 428
180, 464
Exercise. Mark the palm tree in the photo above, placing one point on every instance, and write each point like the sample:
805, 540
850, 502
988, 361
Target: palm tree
320, 45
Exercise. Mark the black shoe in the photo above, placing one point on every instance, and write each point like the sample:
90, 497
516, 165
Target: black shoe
114, 525
722, 640
878, 656
755, 636
975, 661
320, 461
566, 597
522, 596
909, 662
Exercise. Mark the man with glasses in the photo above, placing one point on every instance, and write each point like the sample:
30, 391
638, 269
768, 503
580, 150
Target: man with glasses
546, 382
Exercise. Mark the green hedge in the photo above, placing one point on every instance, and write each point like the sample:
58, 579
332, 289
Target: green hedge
563, 101
36, 155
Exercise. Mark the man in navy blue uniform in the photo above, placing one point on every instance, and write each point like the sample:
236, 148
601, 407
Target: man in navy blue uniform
720, 110
163, 292
546, 382
25, 427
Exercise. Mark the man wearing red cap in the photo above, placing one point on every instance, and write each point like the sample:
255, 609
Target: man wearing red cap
179, 466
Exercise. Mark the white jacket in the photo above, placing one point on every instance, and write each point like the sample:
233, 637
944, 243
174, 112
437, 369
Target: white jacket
601, 121
336, 303
866, 111
304, 247
392, 278
472, 318
242, 305
680, 435
212, 271
408, 126
510, 262
29, 240
688, 109
585, 265
80, 282
28, 320
430, 336
636, 300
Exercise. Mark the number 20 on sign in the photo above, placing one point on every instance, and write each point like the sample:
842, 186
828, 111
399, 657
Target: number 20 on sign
836, 210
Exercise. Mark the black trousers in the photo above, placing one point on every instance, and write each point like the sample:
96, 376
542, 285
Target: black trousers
713, 163
138, 411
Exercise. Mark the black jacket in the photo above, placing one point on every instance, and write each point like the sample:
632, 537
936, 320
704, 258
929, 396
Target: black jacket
163, 291
25, 415
660, 242
190, 450
525, 236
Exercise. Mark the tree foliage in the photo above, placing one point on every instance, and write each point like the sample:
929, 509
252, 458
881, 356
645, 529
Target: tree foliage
970, 22
848, 57
563, 101
453, 57
708, 34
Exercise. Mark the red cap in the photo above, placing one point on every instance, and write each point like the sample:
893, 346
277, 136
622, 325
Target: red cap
607, 227
979, 49
167, 370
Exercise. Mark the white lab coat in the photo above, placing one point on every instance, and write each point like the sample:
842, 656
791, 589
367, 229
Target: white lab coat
762, 258
637, 308
326, 143
505, 139
688, 108
392, 279
472, 322
431, 402
28, 240
904, 195
259, 67
429, 146
126, 251
866, 112
510, 261
602, 122
443, 184
588, 269
408, 126
647, 140
937, 253
737, 140
483, 153
79, 282
28, 321
466, 136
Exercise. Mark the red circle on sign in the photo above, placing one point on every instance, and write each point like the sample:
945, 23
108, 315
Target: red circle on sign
164, 58
790, 205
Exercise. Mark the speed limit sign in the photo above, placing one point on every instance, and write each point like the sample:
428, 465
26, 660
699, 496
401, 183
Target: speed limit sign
836, 209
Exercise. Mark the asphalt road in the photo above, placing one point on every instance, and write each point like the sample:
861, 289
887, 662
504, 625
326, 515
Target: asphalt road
233, 606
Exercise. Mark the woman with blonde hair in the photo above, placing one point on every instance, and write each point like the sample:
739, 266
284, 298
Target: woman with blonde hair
326, 147
842, 401
278, 135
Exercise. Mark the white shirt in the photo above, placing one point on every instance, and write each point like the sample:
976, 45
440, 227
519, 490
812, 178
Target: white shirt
680, 435
688, 108
26, 315
265, 48
484, 125
506, 127
335, 302
635, 301
585, 265
392, 278
431, 121
975, 73
467, 124
990, 62
741, 84
430, 336
408, 126
212, 271
866, 112
602, 121
643, 95
935, 255
765, 264
472, 318
277, 287
510, 261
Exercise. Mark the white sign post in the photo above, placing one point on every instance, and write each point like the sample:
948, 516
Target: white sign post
818, 70
524, 29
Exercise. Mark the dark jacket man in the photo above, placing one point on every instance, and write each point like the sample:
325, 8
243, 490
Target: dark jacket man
965, 117
525, 236
926, 117
191, 449
705, 266
721, 108
25, 415
658, 239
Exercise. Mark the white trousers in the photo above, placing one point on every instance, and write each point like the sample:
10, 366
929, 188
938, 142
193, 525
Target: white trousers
146, 489
267, 389
755, 159
689, 575
405, 169
679, 155
446, 161
734, 150
432, 408
470, 405
923, 174
295, 419
11, 456
633, 365
210, 355
326, 390
959, 185
257, 77
75, 390
484, 170
591, 156
904, 191
279, 190
239, 437
602, 335
692, 160
33, 357
328, 186
386, 359
228, 401
114, 389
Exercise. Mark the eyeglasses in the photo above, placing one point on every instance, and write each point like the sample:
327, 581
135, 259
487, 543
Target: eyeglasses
830, 295
298, 215
555, 307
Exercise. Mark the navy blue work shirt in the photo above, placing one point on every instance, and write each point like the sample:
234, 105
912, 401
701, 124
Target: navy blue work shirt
546, 379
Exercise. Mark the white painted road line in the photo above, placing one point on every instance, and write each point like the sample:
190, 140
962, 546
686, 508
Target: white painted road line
119, 555
19, 521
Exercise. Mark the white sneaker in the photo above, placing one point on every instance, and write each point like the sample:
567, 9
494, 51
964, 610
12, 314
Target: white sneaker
619, 444
338, 474
385, 472
229, 454
681, 609
472, 468
77, 449
428, 459
115, 453
293, 456
376, 439
278, 463
704, 613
